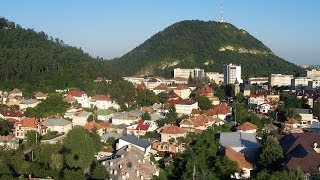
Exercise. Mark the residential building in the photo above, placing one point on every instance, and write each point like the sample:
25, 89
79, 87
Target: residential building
167, 147
40, 96
131, 163
199, 123
186, 107
244, 166
313, 73
28, 103
104, 114
132, 140
247, 127
80, 118
9, 142
59, 125
127, 118
100, 101
300, 82
180, 80
302, 152
15, 93
265, 108
306, 117
153, 82
245, 143
142, 127
255, 100
160, 88
280, 80
292, 126
186, 73
215, 77
11, 114
81, 98
258, 80
173, 132
28, 124
232, 73
182, 91
100, 128
314, 84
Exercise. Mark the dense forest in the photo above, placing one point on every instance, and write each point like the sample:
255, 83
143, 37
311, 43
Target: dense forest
194, 43
33, 60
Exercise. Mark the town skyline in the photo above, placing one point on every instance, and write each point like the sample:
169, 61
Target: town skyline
111, 29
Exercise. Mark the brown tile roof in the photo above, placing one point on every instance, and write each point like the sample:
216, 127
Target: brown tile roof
15, 90
182, 87
76, 93
246, 126
298, 149
40, 94
205, 90
161, 86
238, 157
69, 98
101, 97
172, 129
28, 122
91, 125
197, 121
9, 113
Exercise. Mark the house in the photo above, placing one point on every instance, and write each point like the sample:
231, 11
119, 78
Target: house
69, 99
131, 162
222, 111
182, 91
244, 166
71, 112
264, 108
160, 88
100, 101
268, 128
247, 127
106, 136
28, 124
11, 114
15, 93
99, 127
169, 132
132, 140
104, 114
28, 103
292, 126
127, 118
59, 125
306, 117
179, 80
40, 96
302, 151
199, 123
153, 82
81, 98
167, 147
206, 90
242, 142
185, 107
255, 100
142, 127
80, 118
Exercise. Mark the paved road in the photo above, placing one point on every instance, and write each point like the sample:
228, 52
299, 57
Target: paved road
54, 140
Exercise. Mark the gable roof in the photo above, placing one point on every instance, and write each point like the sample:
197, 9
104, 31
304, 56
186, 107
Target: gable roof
136, 141
69, 98
76, 93
9, 113
28, 122
299, 151
40, 94
182, 87
161, 86
100, 98
91, 125
205, 90
142, 126
171, 129
238, 157
246, 126
16, 91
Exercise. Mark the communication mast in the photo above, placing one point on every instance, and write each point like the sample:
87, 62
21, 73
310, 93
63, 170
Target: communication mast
221, 13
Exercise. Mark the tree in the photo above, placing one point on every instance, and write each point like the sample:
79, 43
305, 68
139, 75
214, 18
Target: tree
98, 171
146, 97
239, 97
4, 127
79, 155
146, 116
271, 153
316, 109
33, 137
204, 102
162, 97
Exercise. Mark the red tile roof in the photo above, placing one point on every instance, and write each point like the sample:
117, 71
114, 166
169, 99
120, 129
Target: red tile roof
76, 93
91, 125
238, 157
182, 87
247, 126
205, 90
28, 122
9, 113
101, 97
171, 129
40, 94
142, 126
161, 86
69, 98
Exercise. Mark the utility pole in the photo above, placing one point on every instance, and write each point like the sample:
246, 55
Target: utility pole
194, 173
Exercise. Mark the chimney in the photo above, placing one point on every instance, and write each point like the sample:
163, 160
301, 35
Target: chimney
141, 177
137, 172
120, 166
115, 172
315, 145
111, 163
127, 175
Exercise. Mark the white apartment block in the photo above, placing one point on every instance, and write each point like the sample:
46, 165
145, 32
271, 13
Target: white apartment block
186, 108
300, 82
312, 74
280, 80
314, 84
215, 77
186, 73
258, 80
232, 74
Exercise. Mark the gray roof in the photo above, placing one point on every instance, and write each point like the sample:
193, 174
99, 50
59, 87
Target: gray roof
155, 117
106, 136
315, 125
136, 141
56, 122
303, 111
29, 101
239, 139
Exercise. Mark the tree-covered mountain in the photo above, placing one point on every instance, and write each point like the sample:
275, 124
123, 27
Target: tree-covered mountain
33, 61
208, 45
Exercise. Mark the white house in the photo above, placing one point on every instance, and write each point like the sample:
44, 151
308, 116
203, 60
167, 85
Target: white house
186, 107
306, 117
182, 91
104, 114
28, 103
81, 98
59, 125
131, 140
142, 127
80, 119
265, 108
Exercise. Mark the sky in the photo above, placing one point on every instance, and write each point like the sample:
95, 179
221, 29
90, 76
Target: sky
111, 28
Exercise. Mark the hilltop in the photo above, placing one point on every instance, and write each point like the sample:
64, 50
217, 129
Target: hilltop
34, 61
208, 45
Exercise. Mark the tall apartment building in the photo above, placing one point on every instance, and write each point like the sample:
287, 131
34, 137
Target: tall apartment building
280, 80
232, 73
186, 73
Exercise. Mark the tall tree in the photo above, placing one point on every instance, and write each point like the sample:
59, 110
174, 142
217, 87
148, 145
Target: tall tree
204, 102
271, 153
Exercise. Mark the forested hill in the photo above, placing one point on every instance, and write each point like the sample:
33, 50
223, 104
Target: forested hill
33, 61
207, 45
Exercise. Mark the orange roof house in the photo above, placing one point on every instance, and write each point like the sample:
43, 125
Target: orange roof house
247, 127
244, 166
169, 132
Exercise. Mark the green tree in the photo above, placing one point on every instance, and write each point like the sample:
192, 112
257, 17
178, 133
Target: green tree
316, 109
239, 97
146, 116
162, 97
98, 171
79, 155
146, 97
4, 127
204, 102
33, 137
271, 153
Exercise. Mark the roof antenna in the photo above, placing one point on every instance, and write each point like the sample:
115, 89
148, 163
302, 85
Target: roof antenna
221, 12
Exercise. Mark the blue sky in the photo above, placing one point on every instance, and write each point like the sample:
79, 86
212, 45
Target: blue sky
110, 28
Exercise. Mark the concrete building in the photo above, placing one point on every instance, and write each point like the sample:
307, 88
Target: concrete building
312, 74
232, 73
186, 73
258, 80
300, 82
280, 80
314, 84
215, 77
59, 125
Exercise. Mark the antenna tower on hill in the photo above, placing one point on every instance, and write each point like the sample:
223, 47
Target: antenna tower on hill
221, 12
